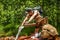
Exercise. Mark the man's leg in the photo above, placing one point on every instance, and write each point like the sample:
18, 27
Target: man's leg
36, 30
36, 33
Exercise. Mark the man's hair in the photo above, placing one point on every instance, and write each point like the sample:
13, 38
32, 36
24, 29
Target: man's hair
27, 9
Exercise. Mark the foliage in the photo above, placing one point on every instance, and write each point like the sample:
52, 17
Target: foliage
12, 14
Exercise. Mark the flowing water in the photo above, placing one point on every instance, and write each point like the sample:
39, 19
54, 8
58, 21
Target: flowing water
19, 31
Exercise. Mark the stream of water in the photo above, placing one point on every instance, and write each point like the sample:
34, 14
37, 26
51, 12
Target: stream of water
19, 31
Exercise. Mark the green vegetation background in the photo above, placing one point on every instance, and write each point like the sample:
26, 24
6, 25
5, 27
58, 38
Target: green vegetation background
12, 14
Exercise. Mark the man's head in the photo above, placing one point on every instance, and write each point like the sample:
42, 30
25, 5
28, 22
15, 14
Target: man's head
29, 11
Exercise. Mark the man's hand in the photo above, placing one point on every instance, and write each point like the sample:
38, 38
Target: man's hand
26, 22
29, 24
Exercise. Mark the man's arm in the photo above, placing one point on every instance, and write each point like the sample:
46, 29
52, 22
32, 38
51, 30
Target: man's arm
25, 19
35, 13
30, 24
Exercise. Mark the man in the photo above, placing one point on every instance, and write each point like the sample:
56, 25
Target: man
33, 15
